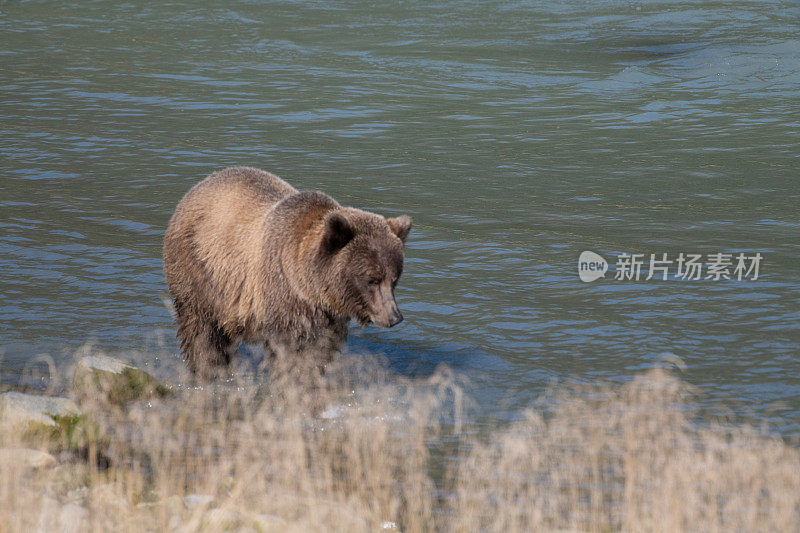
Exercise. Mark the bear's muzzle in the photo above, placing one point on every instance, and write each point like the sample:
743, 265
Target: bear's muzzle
387, 313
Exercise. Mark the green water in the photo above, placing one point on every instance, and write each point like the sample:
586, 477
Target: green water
517, 135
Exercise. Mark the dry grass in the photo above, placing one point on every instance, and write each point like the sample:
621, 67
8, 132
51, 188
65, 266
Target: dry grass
628, 459
364, 450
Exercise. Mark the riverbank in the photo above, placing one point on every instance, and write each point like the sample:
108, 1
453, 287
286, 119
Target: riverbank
365, 450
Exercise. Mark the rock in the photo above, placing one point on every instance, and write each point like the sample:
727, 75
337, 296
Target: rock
65, 518
171, 506
270, 522
116, 381
73, 517
26, 457
107, 497
52, 423
195, 500
25, 409
221, 520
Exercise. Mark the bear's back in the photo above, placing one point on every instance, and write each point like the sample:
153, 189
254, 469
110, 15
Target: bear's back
217, 232
236, 190
255, 184
227, 206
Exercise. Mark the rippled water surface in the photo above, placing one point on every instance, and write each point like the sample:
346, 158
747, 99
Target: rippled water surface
517, 135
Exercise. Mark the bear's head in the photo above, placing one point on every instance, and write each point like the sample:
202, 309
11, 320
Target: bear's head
362, 257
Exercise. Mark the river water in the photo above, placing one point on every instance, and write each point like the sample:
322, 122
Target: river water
516, 134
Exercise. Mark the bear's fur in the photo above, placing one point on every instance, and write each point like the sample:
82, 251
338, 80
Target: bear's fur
249, 258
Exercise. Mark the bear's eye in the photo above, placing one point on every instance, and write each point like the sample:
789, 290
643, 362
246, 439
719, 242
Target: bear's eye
373, 281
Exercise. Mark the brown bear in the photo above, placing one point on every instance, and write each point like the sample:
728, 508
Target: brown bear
249, 258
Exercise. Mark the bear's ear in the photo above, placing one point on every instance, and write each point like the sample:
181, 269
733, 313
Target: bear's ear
400, 226
338, 233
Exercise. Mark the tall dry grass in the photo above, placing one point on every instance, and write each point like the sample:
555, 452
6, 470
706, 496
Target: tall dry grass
363, 450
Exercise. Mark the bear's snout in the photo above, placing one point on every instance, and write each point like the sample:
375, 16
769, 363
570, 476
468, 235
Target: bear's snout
387, 320
396, 317
387, 314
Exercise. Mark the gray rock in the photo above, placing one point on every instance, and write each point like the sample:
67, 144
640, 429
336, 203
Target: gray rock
63, 518
222, 520
100, 376
50, 423
196, 500
26, 457
20, 409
